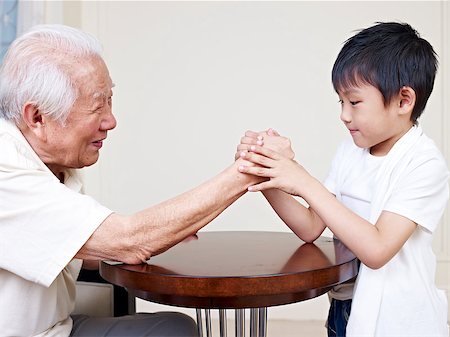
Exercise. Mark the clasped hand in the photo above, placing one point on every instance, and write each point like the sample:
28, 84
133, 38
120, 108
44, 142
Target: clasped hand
271, 156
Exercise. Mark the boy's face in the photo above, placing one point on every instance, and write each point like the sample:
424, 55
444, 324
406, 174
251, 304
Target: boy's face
371, 123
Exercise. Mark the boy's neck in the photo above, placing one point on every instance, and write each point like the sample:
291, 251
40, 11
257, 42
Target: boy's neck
383, 148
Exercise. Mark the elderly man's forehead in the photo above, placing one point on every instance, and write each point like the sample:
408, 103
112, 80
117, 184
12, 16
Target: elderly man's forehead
91, 76
104, 93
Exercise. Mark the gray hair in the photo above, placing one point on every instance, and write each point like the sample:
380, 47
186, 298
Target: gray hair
34, 70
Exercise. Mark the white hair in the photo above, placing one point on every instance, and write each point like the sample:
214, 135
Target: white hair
35, 70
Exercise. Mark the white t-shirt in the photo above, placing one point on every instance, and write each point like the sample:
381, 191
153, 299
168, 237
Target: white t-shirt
43, 224
411, 304
356, 194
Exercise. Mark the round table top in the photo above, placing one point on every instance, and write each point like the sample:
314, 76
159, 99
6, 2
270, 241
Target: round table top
237, 269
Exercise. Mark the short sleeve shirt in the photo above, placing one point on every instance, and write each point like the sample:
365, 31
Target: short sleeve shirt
43, 224
411, 304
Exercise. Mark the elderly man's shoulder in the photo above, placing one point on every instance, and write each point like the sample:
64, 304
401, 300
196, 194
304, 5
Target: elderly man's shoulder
16, 152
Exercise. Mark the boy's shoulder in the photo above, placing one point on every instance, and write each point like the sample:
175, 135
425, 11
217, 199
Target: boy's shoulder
425, 153
426, 146
427, 150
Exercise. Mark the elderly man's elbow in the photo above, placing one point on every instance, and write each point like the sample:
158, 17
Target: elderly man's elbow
134, 257
117, 240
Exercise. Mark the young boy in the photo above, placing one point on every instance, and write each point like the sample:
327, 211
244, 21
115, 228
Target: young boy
386, 191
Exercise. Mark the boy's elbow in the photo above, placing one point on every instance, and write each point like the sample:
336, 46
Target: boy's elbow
310, 238
373, 264
375, 261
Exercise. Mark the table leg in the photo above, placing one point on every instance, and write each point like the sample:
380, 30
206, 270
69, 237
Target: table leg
199, 322
208, 322
258, 322
223, 322
262, 322
254, 324
240, 323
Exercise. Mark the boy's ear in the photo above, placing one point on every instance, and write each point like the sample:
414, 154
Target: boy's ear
407, 100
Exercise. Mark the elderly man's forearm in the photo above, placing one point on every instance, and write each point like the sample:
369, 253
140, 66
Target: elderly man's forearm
135, 238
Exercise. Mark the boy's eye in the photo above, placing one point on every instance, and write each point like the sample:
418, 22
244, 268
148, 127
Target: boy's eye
341, 102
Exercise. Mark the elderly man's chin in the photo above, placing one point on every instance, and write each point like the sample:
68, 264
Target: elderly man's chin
89, 160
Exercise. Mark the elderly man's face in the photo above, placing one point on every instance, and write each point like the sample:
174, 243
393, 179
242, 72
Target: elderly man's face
77, 143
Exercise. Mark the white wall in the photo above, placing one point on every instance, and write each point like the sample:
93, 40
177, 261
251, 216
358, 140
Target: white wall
192, 77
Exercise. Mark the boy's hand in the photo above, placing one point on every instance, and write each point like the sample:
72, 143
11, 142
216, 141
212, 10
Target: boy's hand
282, 173
269, 139
275, 142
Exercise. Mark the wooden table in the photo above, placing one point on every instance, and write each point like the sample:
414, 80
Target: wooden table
237, 270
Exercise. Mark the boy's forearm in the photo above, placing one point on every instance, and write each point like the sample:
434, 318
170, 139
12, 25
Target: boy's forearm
359, 235
300, 219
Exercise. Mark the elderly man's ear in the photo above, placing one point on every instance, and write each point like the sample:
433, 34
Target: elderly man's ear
33, 120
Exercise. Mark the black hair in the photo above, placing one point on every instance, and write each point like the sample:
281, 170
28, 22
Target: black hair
388, 56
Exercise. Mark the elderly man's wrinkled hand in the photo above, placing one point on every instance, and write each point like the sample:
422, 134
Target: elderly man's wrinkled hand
192, 237
250, 138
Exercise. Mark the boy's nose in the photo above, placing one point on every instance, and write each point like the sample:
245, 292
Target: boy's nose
346, 116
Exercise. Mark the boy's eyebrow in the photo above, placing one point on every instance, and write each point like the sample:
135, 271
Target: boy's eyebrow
349, 91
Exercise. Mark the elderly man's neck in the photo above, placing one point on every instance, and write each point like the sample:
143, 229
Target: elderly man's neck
42, 153
57, 172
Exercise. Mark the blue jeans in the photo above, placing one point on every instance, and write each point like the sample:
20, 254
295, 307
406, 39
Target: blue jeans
338, 317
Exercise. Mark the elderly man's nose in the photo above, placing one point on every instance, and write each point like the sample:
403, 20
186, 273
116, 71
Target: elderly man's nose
109, 122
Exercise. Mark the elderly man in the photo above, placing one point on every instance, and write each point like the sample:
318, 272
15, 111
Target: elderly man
55, 113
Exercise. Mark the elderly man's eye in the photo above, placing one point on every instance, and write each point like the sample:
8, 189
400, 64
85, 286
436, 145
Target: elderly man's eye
98, 109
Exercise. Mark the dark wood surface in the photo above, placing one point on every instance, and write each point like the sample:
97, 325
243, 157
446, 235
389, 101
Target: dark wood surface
237, 270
